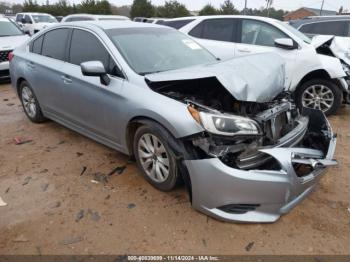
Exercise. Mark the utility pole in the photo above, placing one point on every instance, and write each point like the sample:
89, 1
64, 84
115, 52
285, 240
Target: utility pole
321, 7
245, 7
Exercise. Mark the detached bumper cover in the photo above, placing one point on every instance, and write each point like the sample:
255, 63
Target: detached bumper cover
260, 195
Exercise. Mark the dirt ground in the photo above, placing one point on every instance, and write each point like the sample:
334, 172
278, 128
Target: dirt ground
53, 209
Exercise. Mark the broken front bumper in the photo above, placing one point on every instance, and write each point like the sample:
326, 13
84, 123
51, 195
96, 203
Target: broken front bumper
261, 195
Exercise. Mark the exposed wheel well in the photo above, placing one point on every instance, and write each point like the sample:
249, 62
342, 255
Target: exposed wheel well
18, 84
318, 74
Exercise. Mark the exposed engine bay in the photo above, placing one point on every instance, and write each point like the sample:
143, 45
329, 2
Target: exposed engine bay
278, 124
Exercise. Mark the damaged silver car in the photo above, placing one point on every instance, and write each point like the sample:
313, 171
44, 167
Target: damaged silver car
226, 129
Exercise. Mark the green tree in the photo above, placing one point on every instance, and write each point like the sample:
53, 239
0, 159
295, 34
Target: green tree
30, 6
17, 8
172, 9
227, 8
103, 7
142, 8
273, 13
208, 9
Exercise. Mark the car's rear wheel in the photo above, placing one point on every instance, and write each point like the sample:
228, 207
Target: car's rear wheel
30, 103
320, 94
155, 157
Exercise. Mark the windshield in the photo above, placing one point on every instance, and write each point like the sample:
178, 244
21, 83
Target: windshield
8, 28
151, 50
295, 32
44, 19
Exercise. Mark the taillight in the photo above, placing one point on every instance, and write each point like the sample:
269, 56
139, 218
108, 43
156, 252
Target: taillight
10, 56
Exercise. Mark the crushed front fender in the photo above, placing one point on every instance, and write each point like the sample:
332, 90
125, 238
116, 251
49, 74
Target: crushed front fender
238, 195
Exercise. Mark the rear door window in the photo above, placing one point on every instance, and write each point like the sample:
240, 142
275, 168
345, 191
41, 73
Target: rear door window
338, 28
87, 47
54, 43
216, 29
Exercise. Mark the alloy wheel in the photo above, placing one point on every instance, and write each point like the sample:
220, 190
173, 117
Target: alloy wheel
318, 97
153, 157
29, 101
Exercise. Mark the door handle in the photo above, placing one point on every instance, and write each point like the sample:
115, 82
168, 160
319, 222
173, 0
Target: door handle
66, 79
244, 50
31, 64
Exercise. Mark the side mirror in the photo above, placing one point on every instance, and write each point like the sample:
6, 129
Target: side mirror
285, 43
95, 68
23, 21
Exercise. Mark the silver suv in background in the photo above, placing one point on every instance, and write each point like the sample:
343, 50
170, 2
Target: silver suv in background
226, 129
323, 25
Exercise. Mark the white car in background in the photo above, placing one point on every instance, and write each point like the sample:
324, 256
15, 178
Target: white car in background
11, 36
32, 23
317, 80
89, 17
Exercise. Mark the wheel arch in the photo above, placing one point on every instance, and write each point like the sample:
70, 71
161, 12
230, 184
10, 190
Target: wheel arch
18, 84
316, 74
131, 129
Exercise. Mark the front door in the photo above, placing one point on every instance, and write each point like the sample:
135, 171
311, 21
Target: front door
259, 37
88, 104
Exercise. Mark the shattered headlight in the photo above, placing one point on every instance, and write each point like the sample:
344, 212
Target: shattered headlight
227, 125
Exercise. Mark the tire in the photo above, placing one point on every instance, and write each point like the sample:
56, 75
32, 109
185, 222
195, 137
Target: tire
320, 94
30, 103
155, 163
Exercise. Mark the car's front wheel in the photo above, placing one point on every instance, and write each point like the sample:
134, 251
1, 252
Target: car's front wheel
30, 103
320, 94
155, 156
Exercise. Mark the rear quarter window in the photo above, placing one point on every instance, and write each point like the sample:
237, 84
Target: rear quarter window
37, 45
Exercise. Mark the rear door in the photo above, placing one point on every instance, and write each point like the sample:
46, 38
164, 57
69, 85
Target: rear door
217, 35
48, 56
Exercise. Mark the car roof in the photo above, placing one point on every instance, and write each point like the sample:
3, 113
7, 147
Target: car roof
30, 13
3, 19
222, 16
314, 19
111, 24
93, 15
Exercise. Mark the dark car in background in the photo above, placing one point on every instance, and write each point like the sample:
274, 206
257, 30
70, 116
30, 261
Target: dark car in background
323, 25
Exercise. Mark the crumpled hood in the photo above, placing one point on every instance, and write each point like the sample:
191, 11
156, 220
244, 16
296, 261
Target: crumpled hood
320, 40
11, 42
253, 78
340, 46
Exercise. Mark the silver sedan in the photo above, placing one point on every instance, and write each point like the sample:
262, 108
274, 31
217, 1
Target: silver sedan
225, 129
